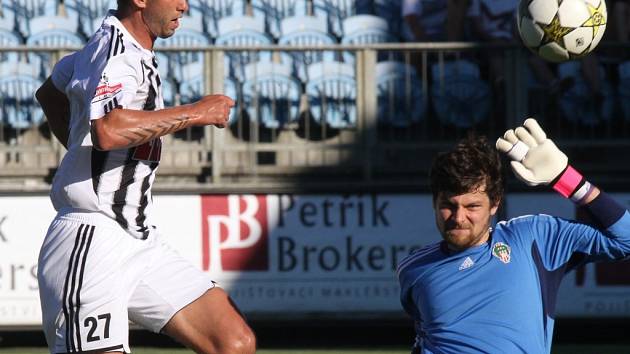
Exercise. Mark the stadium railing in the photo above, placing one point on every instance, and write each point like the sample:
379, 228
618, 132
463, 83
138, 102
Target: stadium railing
387, 146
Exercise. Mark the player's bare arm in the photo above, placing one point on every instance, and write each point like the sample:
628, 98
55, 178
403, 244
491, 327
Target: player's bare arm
125, 128
57, 110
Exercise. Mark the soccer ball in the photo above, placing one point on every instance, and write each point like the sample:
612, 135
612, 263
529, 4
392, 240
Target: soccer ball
559, 30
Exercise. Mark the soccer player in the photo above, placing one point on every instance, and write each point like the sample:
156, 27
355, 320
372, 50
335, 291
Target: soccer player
103, 262
494, 290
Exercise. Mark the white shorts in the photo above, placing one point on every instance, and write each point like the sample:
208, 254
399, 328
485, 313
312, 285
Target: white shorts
94, 277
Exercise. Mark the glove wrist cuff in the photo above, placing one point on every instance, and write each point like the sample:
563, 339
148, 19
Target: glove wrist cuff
568, 182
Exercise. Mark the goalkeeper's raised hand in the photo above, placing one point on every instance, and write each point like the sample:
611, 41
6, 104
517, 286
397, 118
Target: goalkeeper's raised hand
536, 160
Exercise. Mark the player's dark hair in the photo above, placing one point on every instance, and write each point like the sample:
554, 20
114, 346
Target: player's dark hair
468, 165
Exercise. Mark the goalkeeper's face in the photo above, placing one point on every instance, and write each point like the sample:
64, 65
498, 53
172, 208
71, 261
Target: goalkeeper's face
464, 219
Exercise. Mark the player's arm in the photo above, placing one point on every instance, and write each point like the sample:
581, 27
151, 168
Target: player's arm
56, 108
536, 160
125, 128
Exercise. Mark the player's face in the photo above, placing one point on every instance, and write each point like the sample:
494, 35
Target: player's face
163, 16
464, 220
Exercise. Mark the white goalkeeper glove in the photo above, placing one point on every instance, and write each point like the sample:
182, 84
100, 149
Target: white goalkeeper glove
537, 160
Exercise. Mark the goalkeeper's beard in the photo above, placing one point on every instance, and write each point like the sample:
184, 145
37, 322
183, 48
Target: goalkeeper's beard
460, 237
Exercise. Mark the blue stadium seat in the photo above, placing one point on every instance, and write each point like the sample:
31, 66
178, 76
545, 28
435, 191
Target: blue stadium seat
334, 11
305, 31
211, 11
400, 99
18, 107
274, 11
51, 31
624, 88
455, 88
24, 11
332, 94
578, 104
391, 12
7, 16
242, 31
271, 96
8, 39
89, 14
193, 83
364, 29
190, 34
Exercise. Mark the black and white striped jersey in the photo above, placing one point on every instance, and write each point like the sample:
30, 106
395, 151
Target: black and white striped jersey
112, 71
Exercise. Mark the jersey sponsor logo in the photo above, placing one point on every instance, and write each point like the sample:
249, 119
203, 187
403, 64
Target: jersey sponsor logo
467, 263
235, 233
106, 91
502, 252
150, 151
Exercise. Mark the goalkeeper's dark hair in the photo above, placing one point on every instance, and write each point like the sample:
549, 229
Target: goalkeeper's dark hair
467, 166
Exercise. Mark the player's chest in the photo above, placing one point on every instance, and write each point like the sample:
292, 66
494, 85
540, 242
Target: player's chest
482, 279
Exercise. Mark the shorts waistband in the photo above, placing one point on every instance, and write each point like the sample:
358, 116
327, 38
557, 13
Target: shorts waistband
88, 217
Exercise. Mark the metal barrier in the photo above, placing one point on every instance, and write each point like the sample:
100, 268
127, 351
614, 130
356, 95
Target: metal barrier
377, 125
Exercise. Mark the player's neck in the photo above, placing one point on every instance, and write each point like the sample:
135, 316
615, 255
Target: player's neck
135, 25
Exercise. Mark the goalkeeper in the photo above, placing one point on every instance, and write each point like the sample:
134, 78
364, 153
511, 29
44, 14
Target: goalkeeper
494, 290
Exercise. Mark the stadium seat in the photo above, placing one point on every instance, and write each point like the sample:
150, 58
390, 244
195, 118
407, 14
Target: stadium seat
390, 11
193, 83
456, 87
51, 31
244, 31
332, 93
624, 88
8, 39
24, 11
305, 31
271, 96
190, 35
89, 14
7, 17
334, 11
211, 11
363, 29
400, 99
18, 106
578, 103
274, 11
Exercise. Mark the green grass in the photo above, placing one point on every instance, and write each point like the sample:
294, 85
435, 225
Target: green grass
557, 349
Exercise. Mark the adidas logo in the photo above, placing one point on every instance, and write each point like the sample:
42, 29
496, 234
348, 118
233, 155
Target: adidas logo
467, 263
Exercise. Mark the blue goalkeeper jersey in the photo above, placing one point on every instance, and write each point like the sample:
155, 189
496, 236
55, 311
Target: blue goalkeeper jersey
500, 297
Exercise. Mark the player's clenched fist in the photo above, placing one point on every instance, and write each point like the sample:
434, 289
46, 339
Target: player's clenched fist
214, 110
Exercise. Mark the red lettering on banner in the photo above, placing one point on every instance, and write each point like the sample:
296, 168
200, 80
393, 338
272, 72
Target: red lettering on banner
150, 151
235, 233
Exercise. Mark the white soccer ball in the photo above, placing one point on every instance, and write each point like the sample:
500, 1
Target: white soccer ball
559, 30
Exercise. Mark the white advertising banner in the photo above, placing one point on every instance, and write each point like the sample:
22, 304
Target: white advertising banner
23, 225
297, 255
315, 254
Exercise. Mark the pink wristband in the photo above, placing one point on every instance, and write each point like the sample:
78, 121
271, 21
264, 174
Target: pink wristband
568, 182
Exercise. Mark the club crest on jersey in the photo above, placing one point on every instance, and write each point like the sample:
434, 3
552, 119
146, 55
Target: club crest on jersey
502, 252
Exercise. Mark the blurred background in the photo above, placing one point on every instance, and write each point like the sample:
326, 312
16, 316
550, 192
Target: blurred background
303, 206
